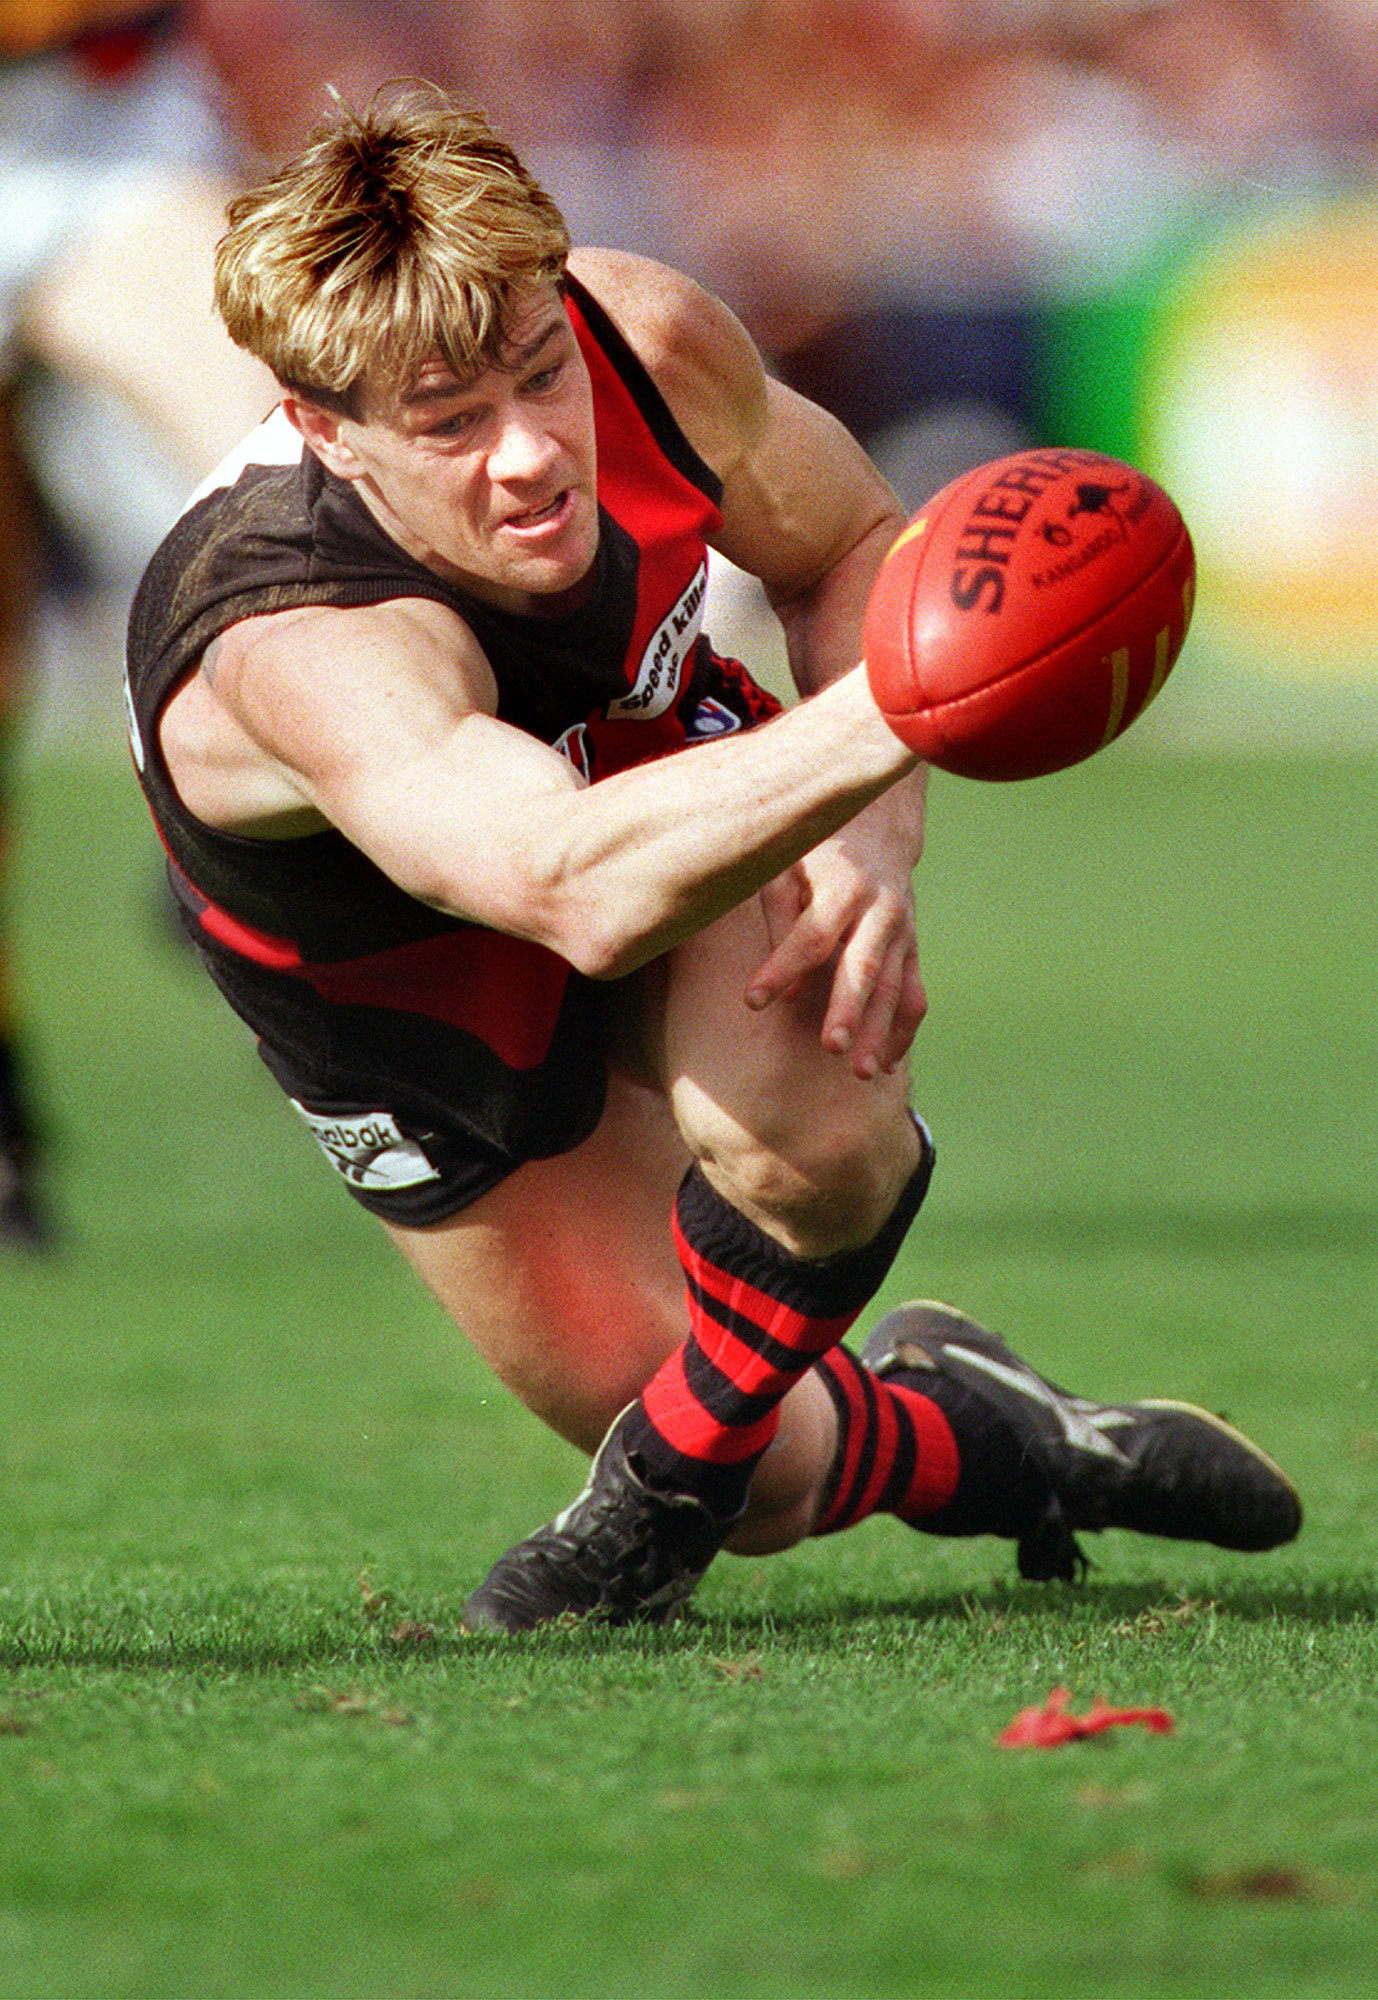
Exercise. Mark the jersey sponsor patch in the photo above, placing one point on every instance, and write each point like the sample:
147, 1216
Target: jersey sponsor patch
368, 1150
662, 664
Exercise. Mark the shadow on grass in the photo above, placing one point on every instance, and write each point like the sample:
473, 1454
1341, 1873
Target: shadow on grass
1095, 1605
838, 1623
831, 1625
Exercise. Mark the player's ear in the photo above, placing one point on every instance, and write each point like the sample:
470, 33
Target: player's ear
322, 430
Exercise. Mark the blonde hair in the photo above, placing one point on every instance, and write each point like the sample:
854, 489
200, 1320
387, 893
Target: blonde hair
395, 234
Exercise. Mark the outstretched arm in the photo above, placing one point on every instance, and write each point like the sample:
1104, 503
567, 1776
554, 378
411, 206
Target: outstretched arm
381, 721
806, 511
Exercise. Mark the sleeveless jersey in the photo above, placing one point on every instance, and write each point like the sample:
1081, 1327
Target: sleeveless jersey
339, 972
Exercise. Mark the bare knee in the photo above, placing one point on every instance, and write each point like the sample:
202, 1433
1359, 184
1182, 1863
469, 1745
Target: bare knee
818, 1184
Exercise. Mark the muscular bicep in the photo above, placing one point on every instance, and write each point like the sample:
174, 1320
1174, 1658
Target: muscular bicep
380, 722
801, 498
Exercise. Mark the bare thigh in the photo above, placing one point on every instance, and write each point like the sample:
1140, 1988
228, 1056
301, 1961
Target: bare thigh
565, 1280
564, 1277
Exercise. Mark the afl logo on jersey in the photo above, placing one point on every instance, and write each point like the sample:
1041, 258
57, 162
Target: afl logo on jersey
662, 664
573, 746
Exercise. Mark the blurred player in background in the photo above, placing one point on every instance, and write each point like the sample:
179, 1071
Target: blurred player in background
113, 174
592, 972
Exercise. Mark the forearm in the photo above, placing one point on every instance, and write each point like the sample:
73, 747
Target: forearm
823, 635
646, 857
823, 625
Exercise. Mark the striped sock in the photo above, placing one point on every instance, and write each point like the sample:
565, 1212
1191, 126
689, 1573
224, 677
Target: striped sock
896, 1452
759, 1319
939, 1456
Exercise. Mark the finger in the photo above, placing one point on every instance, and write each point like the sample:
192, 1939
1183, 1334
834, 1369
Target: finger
889, 1035
783, 900
808, 944
872, 959
873, 1043
913, 1006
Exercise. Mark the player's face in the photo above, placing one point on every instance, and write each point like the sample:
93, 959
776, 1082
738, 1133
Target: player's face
491, 480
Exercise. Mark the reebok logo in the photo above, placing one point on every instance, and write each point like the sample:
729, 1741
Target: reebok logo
369, 1151
711, 718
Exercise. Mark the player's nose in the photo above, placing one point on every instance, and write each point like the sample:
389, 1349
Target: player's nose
525, 448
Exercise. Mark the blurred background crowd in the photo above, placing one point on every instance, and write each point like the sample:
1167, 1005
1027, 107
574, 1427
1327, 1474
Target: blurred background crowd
1148, 226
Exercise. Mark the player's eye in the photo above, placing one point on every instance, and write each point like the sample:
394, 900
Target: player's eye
456, 424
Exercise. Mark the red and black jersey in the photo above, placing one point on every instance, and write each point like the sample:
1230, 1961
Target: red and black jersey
625, 677
328, 960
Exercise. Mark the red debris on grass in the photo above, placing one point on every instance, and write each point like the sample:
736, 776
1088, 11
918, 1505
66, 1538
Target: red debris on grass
1046, 1727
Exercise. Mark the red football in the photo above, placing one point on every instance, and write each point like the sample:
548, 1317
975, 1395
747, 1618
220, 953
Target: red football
1029, 613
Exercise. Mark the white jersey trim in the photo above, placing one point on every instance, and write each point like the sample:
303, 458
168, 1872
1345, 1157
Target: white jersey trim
276, 441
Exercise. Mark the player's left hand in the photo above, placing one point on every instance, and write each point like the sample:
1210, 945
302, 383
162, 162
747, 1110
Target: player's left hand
849, 903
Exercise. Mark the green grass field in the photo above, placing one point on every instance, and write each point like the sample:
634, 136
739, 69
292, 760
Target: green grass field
250, 1473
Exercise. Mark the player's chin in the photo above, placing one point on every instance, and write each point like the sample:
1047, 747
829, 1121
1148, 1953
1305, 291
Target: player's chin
551, 557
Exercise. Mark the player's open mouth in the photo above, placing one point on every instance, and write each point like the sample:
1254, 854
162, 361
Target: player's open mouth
553, 514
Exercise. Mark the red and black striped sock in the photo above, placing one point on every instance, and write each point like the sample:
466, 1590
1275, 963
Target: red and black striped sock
759, 1318
896, 1452
940, 1457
